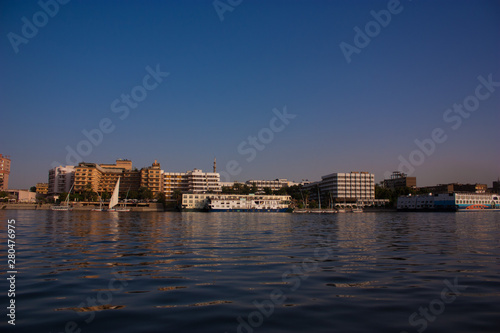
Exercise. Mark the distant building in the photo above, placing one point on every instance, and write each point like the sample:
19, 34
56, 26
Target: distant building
226, 184
24, 196
274, 185
455, 187
4, 172
102, 178
496, 186
61, 179
194, 181
400, 180
151, 177
348, 188
42, 188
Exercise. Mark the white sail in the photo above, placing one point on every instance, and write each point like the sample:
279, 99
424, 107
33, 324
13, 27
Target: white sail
114, 198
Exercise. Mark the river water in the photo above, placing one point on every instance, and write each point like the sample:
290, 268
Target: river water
253, 272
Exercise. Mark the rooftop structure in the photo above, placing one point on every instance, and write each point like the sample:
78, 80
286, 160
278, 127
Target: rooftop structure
400, 180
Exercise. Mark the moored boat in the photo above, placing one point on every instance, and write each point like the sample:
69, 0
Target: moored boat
65, 206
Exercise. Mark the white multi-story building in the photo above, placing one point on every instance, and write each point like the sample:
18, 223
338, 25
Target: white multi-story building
359, 185
201, 182
61, 179
348, 187
194, 181
274, 185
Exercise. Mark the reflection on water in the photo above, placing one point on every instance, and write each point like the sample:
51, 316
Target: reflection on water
191, 272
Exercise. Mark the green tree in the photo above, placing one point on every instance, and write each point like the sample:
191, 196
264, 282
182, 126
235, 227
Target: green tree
281, 191
245, 189
145, 193
62, 197
267, 190
177, 196
33, 189
237, 188
254, 188
162, 198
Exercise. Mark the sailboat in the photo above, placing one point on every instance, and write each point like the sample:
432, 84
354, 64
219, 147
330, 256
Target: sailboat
114, 197
65, 206
341, 210
100, 205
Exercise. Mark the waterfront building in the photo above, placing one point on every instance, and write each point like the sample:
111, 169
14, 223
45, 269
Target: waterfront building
42, 188
274, 185
235, 202
24, 196
102, 178
400, 180
455, 187
345, 188
4, 172
61, 179
151, 177
194, 181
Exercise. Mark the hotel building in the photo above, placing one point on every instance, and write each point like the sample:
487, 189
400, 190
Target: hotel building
61, 179
102, 178
151, 177
194, 181
351, 188
4, 172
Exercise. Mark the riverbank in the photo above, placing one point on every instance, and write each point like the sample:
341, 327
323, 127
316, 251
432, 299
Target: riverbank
139, 207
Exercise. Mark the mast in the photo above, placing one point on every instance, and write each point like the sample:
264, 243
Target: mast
319, 198
114, 198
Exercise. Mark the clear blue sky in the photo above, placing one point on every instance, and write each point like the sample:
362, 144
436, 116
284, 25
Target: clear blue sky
226, 77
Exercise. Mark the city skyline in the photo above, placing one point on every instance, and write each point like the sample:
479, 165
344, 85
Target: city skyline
285, 89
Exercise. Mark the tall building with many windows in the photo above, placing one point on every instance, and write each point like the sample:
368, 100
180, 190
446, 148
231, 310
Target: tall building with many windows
344, 187
61, 179
151, 177
4, 172
102, 178
194, 181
